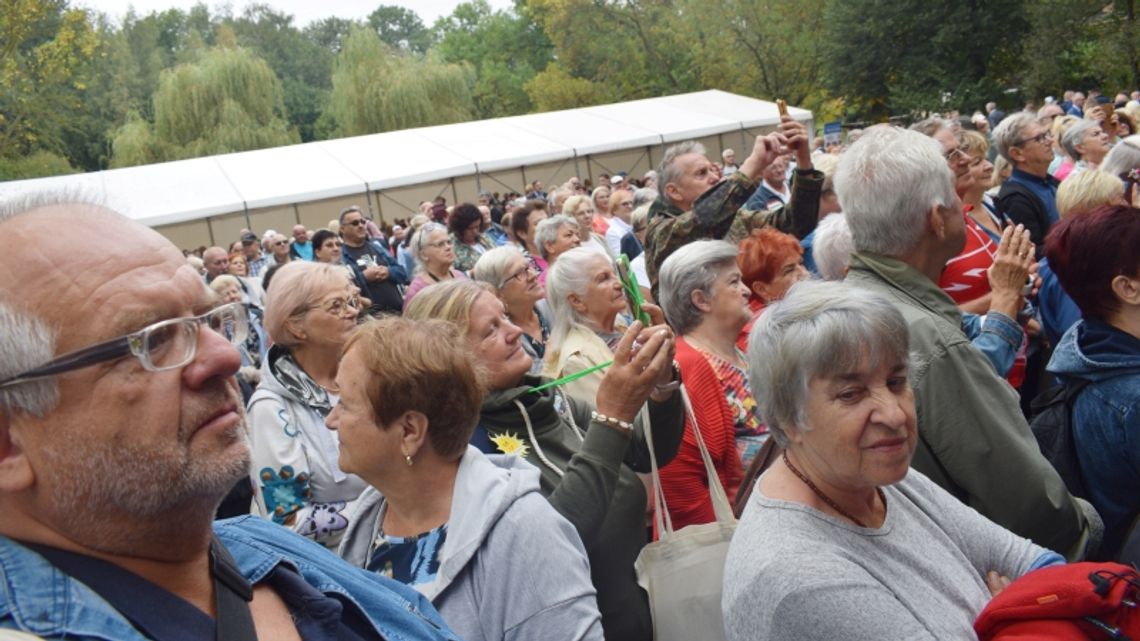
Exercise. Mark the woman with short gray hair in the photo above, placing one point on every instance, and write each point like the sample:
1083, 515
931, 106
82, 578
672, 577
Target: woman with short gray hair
706, 303
1086, 143
828, 364
555, 236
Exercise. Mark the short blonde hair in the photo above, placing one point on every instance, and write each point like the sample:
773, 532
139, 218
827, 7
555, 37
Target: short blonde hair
570, 207
221, 281
1086, 191
296, 287
450, 301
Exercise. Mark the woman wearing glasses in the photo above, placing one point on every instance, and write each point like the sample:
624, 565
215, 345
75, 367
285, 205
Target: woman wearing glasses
515, 282
297, 482
435, 256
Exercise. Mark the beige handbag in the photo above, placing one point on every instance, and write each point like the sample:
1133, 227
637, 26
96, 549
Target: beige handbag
683, 571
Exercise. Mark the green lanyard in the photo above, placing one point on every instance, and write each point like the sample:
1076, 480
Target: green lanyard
573, 377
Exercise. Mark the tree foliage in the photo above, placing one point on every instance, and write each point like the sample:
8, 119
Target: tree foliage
400, 28
46, 60
230, 101
377, 89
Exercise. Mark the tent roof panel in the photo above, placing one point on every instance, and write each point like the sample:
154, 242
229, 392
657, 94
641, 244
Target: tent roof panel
172, 192
586, 133
397, 158
285, 175
494, 145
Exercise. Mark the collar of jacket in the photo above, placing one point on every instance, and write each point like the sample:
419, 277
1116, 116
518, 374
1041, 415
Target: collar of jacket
909, 282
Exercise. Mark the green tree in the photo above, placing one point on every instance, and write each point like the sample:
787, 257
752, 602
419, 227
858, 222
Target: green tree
400, 28
639, 48
330, 33
555, 89
767, 49
229, 101
910, 56
303, 65
505, 48
46, 60
377, 89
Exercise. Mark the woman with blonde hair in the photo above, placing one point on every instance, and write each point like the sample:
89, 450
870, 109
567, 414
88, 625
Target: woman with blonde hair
588, 452
582, 209
312, 309
1078, 195
601, 198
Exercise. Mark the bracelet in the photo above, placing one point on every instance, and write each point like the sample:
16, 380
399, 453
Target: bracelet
612, 421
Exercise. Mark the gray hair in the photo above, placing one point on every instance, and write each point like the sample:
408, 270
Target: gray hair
651, 175
552, 197
570, 274
419, 239
1123, 158
820, 329
832, 247
491, 268
547, 231
222, 280
887, 182
1009, 133
27, 341
640, 216
644, 196
1075, 135
693, 267
668, 171
930, 126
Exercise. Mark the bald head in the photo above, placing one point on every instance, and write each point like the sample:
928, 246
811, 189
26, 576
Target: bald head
217, 262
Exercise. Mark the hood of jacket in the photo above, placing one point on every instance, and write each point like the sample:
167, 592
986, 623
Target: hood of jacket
281, 375
1095, 351
486, 486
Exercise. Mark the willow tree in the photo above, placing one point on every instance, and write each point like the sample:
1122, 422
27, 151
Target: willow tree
377, 89
230, 100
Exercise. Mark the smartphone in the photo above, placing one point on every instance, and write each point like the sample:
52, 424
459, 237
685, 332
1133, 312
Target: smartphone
782, 107
1109, 110
631, 290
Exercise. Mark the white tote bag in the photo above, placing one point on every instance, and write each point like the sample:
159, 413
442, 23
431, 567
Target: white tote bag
683, 571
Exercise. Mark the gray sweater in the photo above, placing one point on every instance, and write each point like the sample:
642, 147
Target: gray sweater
795, 573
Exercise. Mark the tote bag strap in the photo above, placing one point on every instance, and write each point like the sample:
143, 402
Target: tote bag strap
721, 505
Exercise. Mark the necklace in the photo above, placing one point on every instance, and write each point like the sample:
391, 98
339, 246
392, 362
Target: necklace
736, 360
825, 498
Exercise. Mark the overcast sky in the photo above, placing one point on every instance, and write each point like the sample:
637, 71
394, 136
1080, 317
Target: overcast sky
303, 11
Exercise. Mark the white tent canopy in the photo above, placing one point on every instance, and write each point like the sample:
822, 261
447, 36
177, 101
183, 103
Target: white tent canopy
363, 168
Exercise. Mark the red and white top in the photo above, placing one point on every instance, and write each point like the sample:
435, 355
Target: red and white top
964, 278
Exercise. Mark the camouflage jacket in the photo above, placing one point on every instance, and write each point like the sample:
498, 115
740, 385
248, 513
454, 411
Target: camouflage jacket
719, 213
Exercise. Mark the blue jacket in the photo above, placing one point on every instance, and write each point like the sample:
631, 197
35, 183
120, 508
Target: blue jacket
1106, 418
1056, 310
41, 600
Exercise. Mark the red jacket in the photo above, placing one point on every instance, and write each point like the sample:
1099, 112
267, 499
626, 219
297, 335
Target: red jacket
684, 480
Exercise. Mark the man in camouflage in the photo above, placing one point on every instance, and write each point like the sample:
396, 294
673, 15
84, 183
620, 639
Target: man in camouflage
694, 205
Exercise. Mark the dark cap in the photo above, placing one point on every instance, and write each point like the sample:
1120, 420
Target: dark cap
248, 238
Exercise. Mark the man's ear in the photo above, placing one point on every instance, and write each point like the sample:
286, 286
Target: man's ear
15, 469
937, 221
672, 192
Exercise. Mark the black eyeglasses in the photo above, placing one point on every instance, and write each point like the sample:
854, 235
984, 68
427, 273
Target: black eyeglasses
522, 273
1039, 138
356, 223
165, 345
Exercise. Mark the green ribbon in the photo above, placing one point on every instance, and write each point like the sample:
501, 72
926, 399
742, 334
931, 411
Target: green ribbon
573, 377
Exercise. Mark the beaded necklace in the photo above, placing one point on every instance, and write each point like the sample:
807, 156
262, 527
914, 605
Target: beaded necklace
825, 498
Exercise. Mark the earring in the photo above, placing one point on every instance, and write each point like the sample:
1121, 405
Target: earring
408, 459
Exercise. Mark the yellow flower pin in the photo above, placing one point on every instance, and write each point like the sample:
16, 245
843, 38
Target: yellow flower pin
509, 443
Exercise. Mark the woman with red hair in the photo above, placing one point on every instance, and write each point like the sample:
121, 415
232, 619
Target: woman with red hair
770, 263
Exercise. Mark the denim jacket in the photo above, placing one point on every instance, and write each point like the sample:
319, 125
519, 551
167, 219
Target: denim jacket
997, 336
1106, 419
40, 599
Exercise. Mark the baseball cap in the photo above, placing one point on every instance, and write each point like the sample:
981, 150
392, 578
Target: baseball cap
248, 238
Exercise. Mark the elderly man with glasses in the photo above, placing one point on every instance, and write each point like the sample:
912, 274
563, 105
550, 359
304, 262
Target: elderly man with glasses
1029, 196
383, 275
121, 430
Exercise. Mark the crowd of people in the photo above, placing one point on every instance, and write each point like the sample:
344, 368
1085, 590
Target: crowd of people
451, 427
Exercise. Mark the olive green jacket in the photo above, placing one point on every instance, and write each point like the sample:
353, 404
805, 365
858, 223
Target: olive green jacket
973, 439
